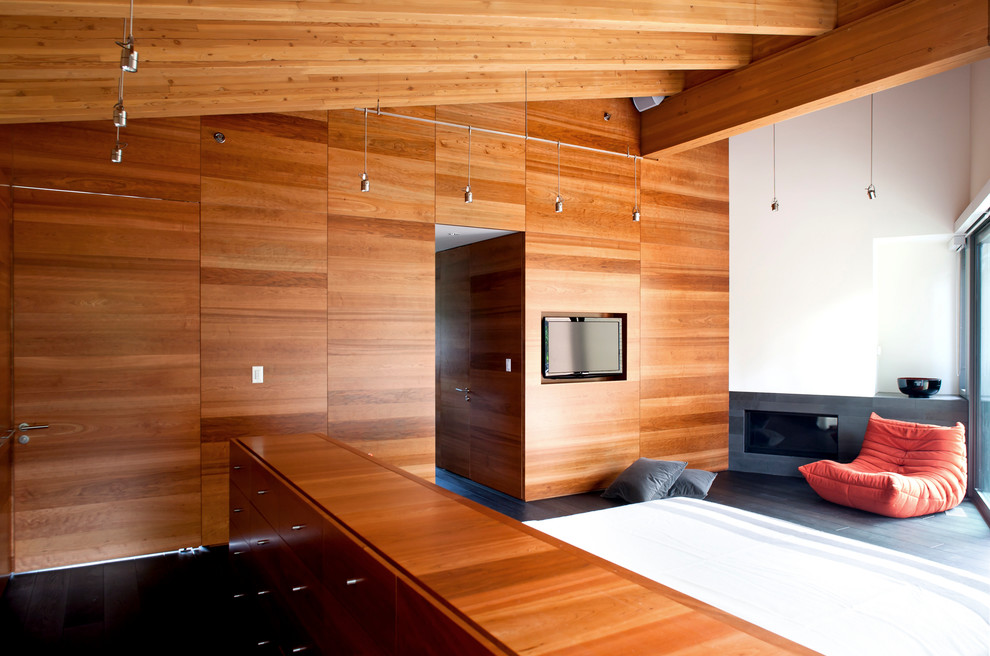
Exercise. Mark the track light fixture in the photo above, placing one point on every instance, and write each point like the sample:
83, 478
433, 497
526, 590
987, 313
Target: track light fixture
468, 196
871, 191
117, 155
120, 115
558, 204
774, 205
128, 55
365, 182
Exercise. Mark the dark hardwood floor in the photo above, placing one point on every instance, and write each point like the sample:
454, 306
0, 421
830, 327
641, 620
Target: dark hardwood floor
958, 538
179, 603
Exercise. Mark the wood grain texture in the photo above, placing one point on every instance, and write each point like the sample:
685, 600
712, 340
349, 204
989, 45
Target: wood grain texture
503, 585
584, 123
264, 285
382, 339
453, 360
597, 191
684, 407
906, 42
743, 16
161, 159
6, 361
497, 170
106, 313
497, 395
479, 327
580, 435
401, 165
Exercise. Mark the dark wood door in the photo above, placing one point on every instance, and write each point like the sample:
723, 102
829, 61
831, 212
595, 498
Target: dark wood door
453, 307
106, 355
479, 348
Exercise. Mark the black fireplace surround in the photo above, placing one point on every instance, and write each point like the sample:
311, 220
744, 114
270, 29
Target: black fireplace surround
790, 430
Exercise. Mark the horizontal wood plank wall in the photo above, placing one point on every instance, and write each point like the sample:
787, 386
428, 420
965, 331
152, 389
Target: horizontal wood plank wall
685, 305
579, 436
401, 165
380, 321
161, 159
382, 339
6, 362
106, 308
264, 286
497, 167
584, 123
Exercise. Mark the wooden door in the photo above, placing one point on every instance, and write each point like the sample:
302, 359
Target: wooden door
6, 420
479, 348
453, 308
106, 354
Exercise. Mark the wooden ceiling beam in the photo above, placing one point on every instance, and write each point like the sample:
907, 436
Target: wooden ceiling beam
340, 49
906, 42
807, 17
91, 96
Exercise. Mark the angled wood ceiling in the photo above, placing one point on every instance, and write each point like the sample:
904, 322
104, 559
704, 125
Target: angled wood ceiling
58, 60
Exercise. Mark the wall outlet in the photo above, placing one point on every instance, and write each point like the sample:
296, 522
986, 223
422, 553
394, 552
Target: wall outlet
257, 374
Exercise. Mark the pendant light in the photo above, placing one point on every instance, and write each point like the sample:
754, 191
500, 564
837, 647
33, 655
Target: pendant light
558, 205
774, 205
117, 155
635, 216
871, 191
128, 55
365, 182
468, 196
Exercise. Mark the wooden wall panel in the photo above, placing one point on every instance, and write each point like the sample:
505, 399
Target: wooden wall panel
6, 362
106, 316
498, 180
580, 435
597, 191
401, 165
264, 286
583, 123
685, 305
382, 339
161, 159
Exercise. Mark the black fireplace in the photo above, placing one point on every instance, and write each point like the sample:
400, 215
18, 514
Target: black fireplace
792, 434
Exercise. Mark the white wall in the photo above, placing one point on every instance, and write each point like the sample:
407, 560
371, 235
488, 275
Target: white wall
804, 290
979, 125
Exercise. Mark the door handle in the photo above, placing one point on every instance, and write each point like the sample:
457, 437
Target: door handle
25, 426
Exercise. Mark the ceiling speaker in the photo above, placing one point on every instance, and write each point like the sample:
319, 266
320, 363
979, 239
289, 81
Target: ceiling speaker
647, 102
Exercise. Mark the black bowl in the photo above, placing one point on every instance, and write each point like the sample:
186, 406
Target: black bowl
919, 388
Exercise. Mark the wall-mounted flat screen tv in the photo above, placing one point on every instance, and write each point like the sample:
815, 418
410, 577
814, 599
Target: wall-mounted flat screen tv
583, 347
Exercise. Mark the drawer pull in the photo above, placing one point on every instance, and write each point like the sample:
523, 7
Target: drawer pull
238, 553
263, 592
237, 510
237, 467
262, 491
297, 650
353, 581
298, 588
298, 527
261, 542
239, 595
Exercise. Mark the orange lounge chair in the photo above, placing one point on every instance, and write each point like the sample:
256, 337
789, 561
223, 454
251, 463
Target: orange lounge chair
903, 470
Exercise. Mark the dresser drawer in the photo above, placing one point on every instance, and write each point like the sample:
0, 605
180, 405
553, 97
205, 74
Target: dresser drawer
301, 527
240, 467
361, 583
265, 491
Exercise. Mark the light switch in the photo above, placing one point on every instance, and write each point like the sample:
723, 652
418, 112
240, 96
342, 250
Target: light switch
508, 364
257, 374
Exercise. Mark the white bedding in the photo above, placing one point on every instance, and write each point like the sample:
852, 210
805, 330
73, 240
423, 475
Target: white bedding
832, 594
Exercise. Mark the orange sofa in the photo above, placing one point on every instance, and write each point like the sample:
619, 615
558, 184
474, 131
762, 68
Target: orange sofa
903, 470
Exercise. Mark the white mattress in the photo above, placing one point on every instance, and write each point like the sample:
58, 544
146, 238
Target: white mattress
831, 594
